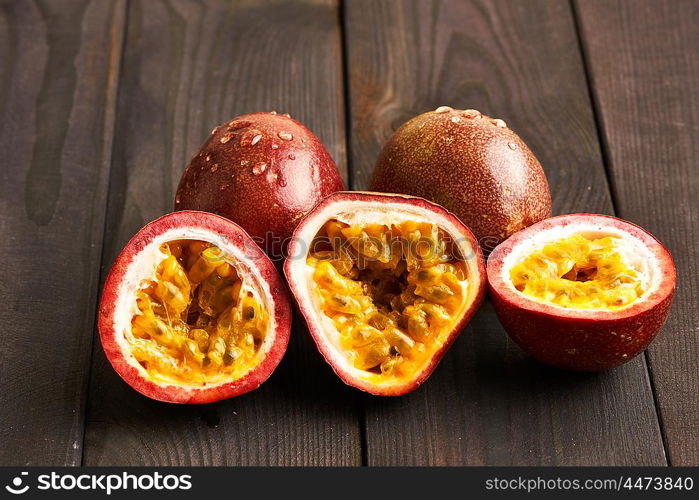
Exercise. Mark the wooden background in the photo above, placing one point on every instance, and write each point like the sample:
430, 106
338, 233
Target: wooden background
103, 102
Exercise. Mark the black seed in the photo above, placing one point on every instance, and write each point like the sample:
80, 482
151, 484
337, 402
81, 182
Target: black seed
206, 361
340, 300
394, 351
249, 313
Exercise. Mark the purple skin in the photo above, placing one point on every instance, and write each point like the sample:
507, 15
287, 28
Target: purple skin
263, 171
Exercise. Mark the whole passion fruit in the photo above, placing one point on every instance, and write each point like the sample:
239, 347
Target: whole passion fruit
192, 310
386, 283
471, 164
264, 171
582, 292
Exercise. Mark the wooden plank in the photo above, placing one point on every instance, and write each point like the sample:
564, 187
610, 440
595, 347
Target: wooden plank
58, 72
189, 66
488, 403
645, 74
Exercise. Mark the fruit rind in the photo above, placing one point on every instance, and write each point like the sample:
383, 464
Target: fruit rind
135, 263
298, 276
581, 339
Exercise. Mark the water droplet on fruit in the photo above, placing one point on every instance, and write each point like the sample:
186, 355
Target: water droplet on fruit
237, 125
244, 162
285, 136
273, 112
512, 145
472, 113
177, 198
214, 167
499, 123
275, 145
443, 109
226, 138
208, 157
282, 182
286, 115
292, 157
259, 168
455, 119
214, 130
250, 138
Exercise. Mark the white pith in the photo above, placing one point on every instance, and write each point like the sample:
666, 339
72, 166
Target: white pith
633, 251
366, 212
144, 266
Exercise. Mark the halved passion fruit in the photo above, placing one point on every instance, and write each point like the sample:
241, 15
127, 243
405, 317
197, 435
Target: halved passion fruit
386, 283
582, 292
193, 311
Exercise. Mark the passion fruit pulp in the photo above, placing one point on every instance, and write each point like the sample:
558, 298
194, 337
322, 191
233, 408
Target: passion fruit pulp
197, 319
390, 306
386, 283
471, 164
192, 311
581, 272
582, 292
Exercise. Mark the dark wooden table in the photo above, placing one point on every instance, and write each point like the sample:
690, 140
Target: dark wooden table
103, 103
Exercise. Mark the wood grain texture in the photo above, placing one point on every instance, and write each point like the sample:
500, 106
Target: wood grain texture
58, 74
187, 67
488, 403
645, 74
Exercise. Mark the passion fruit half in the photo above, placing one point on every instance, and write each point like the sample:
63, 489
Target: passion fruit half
193, 311
582, 292
386, 283
263, 171
471, 164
